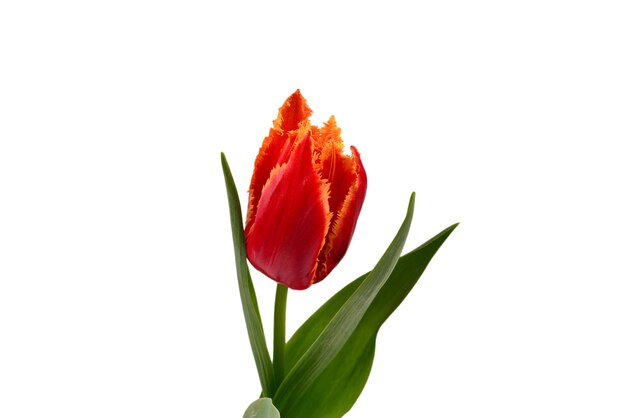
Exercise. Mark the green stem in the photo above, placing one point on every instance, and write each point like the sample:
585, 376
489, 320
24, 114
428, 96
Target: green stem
280, 315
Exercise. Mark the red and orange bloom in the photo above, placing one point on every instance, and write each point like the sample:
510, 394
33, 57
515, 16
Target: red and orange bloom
304, 199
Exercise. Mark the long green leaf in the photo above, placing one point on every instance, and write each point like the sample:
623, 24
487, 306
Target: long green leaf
339, 329
246, 288
337, 388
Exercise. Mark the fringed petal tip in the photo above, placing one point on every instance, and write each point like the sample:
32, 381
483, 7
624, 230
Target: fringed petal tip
294, 111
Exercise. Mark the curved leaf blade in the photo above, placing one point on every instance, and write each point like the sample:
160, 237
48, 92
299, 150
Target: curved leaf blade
337, 388
246, 288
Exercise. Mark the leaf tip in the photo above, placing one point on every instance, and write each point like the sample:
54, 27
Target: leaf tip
412, 202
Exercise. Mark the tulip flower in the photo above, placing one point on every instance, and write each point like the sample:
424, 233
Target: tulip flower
304, 198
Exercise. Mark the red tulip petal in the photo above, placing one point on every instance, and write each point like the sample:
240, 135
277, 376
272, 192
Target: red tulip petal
292, 219
345, 217
276, 147
334, 166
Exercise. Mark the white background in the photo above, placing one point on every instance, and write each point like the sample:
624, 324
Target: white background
118, 295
